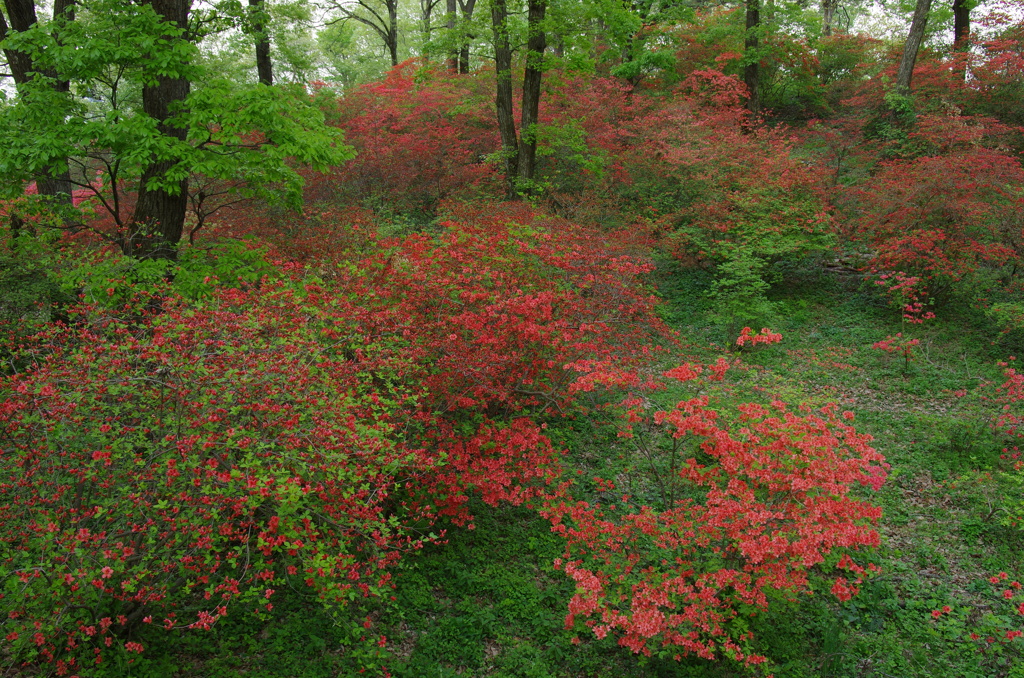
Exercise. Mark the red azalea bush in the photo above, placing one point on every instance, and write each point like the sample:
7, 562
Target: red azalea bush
157, 468
421, 135
944, 215
501, 332
997, 77
745, 189
752, 501
693, 165
164, 460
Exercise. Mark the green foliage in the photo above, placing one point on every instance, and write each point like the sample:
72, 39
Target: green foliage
573, 163
738, 294
489, 602
647, 63
250, 138
30, 297
265, 129
109, 280
893, 125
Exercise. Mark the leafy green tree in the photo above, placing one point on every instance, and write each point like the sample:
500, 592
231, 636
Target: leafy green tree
141, 119
54, 180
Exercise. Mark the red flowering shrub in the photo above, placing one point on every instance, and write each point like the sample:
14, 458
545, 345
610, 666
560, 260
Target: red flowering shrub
421, 135
997, 77
693, 169
898, 344
750, 502
159, 464
155, 470
749, 337
946, 214
905, 294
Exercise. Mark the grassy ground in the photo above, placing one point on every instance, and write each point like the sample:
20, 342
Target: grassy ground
942, 534
489, 603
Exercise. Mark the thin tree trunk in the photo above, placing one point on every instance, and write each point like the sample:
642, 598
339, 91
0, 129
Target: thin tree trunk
503, 96
159, 218
535, 45
752, 71
451, 9
467, 14
905, 72
828, 16
386, 29
426, 14
264, 66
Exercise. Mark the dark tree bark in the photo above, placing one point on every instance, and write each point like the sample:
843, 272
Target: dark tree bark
519, 151
503, 96
159, 218
535, 45
828, 15
451, 10
55, 183
16, 221
391, 41
23, 15
467, 8
905, 72
752, 71
961, 24
264, 66
63, 12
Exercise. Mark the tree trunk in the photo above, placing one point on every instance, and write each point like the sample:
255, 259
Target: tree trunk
23, 15
535, 45
386, 29
961, 24
63, 13
467, 14
392, 39
426, 14
503, 96
752, 70
54, 183
159, 218
451, 10
264, 66
828, 16
905, 72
